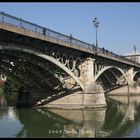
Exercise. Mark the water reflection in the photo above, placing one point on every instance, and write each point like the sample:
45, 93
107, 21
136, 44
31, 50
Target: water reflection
127, 116
121, 118
9, 122
77, 123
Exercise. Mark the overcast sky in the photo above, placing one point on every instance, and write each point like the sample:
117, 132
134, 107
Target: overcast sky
119, 28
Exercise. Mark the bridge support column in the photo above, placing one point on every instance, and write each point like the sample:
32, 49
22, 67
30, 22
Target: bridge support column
87, 75
129, 75
87, 71
93, 95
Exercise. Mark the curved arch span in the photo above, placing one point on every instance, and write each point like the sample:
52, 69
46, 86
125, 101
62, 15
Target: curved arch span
39, 54
137, 72
106, 68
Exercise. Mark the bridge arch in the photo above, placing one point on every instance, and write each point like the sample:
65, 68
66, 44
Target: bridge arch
107, 68
51, 59
136, 75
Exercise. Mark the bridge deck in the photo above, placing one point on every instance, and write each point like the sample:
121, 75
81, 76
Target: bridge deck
36, 35
19, 26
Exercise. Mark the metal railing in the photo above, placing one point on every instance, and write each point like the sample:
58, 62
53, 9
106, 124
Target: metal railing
18, 22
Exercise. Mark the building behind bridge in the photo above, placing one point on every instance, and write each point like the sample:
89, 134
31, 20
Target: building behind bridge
134, 57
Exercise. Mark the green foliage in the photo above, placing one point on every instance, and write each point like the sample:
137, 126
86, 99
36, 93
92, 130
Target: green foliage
11, 89
1, 90
13, 83
11, 98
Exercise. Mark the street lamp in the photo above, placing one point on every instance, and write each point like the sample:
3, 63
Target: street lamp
135, 53
96, 24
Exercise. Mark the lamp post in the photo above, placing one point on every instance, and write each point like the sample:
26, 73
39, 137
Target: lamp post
96, 24
135, 53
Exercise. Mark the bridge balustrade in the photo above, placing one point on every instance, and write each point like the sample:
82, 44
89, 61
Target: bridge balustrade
18, 22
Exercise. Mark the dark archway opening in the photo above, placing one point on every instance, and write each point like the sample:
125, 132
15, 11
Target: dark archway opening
111, 79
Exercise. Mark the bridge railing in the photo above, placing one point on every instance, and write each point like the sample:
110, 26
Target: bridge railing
112, 55
18, 22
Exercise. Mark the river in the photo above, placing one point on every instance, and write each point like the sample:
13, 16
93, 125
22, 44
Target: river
121, 118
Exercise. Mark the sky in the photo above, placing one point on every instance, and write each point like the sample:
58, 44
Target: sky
119, 23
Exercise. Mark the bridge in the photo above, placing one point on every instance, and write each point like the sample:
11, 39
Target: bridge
59, 70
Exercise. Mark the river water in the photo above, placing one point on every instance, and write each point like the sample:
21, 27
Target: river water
121, 118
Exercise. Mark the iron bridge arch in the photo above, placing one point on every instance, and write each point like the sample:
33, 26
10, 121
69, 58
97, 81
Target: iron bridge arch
119, 80
51, 59
136, 75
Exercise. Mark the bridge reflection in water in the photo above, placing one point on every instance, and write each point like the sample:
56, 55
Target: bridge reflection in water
120, 119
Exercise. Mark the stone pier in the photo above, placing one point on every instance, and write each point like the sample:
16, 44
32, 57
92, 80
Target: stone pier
78, 100
92, 96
